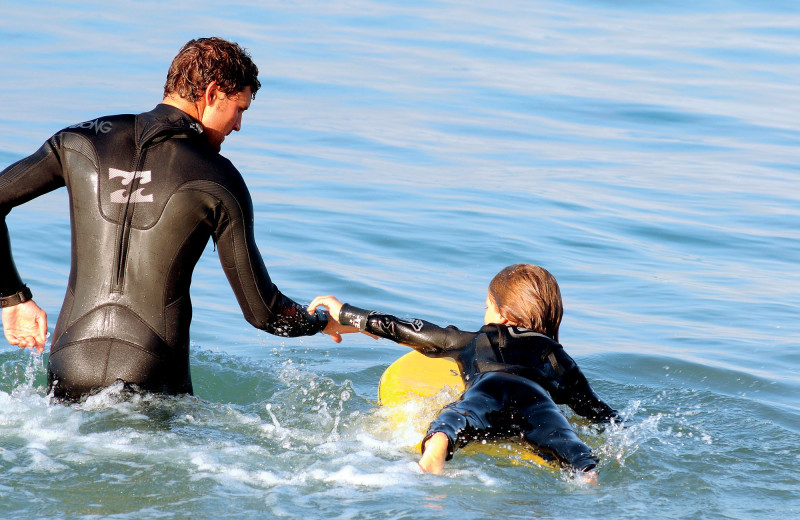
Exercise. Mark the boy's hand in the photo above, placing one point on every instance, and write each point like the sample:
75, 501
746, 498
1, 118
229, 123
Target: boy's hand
334, 328
333, 305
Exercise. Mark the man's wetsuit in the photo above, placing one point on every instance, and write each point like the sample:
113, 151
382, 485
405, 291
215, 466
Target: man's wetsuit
513, 378
146, 192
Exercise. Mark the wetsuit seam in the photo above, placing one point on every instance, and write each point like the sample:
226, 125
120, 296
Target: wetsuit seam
71, 291
167, 288
67, 136
173, 303
167, 195
157, 219
112, 341
105, 314
17, 170
241, 249
245, 253
104, 307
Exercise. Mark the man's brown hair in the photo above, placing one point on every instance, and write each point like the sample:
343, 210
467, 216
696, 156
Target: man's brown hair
204, 60
529, 296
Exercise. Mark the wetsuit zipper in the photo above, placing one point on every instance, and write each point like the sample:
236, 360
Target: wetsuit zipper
126, 220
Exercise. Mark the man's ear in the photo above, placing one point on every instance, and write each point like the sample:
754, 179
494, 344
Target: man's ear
209, 97
211, 94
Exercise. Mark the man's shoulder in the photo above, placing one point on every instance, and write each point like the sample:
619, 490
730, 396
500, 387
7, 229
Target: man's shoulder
201, 168
101, 125
94, 137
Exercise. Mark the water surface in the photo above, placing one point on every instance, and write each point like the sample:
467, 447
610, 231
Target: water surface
400, 154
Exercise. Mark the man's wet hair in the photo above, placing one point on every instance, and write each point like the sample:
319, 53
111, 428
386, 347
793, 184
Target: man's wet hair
204, 60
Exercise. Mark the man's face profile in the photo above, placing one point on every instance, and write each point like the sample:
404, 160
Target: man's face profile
223, 114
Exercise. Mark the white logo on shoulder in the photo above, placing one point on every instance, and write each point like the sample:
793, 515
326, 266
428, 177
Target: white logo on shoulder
97, 125
121, 196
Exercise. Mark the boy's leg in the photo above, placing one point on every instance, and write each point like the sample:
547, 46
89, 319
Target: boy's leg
542, 423
545, 427
434, 452
459, 422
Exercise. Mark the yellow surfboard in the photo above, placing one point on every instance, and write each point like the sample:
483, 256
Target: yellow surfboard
414, 388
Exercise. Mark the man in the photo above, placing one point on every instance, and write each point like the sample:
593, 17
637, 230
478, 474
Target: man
146, 193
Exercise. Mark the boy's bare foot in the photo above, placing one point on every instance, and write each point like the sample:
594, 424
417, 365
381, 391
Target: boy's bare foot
434, 453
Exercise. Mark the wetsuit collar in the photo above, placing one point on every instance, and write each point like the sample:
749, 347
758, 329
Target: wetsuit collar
168, 121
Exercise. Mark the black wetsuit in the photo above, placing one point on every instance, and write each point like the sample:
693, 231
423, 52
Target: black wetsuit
513, 378
146, 193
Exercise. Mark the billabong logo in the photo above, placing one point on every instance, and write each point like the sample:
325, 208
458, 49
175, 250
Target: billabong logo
415, 324
96, 125
121, 196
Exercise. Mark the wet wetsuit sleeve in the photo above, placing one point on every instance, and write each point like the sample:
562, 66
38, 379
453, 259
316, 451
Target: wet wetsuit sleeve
263, 305
574, 391
22, 181
424, 337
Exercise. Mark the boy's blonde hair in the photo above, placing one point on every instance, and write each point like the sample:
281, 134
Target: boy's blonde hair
528, 295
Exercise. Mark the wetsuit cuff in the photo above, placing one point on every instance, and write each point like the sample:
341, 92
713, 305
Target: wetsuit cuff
353, 316
585, 464
322, 319
21, 296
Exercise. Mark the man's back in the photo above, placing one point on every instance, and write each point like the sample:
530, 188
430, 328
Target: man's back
146, 194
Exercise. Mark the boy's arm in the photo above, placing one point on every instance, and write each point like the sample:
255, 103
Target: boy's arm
583, 400
424, 337
574, 390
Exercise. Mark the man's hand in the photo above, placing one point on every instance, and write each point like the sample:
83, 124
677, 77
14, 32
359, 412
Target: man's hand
25, 325
334, 328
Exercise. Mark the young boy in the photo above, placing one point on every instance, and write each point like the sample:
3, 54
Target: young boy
514, 370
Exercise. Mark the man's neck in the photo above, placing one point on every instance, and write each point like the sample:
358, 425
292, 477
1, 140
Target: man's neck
183, 104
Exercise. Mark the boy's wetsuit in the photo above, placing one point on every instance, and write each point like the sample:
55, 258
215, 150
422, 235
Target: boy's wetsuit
146, 193
513, 378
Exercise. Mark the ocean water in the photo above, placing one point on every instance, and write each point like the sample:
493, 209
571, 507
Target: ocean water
399, 155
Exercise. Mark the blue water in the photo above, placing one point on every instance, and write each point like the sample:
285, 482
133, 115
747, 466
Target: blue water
400, 154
